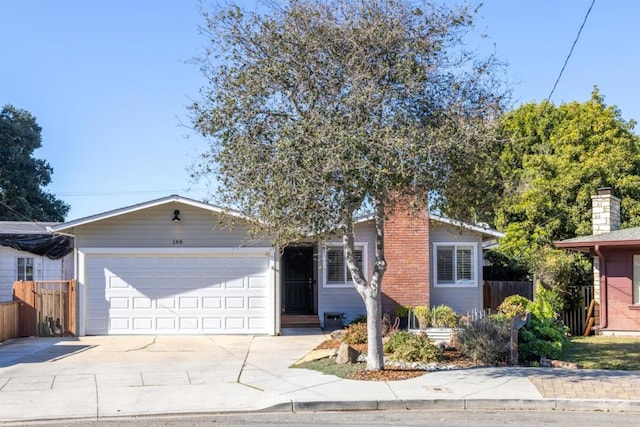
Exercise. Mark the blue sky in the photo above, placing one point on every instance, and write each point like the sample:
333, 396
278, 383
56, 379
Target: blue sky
109, 82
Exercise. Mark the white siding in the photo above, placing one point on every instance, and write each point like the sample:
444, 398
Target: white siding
461, 299
153, 228
43, 269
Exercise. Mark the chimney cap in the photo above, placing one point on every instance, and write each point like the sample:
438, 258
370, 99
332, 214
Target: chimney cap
602, 191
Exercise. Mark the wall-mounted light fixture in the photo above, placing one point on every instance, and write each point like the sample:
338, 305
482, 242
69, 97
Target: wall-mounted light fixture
176, 216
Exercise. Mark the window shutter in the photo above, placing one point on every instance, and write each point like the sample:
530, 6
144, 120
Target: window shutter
358, 255
335, 265
464, 264
445, 264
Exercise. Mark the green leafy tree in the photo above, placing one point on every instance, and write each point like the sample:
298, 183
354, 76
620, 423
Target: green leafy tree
320, 110
556, 157
21, 175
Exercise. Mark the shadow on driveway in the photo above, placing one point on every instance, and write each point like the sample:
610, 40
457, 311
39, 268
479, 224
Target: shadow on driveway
37, 350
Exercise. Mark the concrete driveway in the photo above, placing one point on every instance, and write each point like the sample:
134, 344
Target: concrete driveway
93, 377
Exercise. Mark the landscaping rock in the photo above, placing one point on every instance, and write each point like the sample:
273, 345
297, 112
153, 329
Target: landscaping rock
550, 363
347, 354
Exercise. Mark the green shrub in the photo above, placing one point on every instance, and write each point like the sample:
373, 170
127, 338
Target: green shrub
541, 337
547, 304
423, 314
410, 347
486, 341
443, 316
356, 333
544, 335
402, 310
513, 305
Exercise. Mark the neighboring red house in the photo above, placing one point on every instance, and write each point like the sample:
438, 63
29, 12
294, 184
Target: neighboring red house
616, 261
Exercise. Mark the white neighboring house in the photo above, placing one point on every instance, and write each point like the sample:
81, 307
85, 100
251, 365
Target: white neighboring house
26, 252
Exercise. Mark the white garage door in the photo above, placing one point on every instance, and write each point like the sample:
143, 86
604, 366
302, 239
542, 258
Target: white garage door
178, 293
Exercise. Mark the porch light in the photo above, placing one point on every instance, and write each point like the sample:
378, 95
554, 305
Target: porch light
176, 216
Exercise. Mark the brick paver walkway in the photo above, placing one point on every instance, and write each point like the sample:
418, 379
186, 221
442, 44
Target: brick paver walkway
585, 384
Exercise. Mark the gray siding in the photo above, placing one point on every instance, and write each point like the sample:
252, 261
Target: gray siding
462, 299
153, 228
345, 299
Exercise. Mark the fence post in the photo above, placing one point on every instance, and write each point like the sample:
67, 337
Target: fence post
517, 322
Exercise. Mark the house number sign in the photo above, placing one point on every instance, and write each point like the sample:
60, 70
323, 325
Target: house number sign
178, 242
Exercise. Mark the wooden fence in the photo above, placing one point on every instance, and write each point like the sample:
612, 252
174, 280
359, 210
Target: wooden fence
494, 292
47, 308
9, 320
575, 312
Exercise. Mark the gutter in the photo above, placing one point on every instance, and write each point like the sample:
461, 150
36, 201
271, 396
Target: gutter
604, 311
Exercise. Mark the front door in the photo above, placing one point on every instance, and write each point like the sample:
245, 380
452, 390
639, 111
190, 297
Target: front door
297, 265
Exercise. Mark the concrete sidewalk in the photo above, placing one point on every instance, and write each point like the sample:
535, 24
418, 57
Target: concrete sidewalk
101, 377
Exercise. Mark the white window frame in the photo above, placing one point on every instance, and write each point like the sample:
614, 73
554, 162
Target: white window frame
325, 260
22, 275
473, 283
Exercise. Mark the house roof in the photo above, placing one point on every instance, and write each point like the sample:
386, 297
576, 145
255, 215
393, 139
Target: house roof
61, 227
34, 238
624, 237
140, 206
25, 227
483, 229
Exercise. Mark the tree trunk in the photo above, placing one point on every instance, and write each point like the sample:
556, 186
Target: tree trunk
370, 291
375, 353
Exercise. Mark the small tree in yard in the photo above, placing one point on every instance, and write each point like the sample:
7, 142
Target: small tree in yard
318, 111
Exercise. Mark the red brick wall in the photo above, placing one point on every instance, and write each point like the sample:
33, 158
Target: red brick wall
406, 281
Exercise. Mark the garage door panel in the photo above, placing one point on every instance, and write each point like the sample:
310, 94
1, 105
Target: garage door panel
177, 294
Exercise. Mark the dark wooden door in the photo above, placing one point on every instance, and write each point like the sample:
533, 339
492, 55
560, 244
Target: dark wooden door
298, 280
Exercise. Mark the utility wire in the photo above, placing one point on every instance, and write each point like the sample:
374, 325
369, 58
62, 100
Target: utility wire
584, 21
23, 216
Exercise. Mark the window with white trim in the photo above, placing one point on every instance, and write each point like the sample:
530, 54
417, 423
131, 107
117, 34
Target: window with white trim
335, 265
24, 269
455, 264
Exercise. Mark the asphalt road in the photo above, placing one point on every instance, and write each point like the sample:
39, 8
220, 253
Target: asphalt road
462, 418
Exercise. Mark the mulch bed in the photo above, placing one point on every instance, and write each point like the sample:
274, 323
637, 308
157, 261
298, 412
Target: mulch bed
450, 357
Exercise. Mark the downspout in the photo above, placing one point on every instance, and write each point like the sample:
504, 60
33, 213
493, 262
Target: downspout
277, 292
604, 311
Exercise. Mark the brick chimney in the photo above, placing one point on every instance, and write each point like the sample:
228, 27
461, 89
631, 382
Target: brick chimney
605, 212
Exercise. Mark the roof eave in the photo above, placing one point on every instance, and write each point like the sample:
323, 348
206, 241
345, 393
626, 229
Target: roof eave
140, 206
594, 243
482, 230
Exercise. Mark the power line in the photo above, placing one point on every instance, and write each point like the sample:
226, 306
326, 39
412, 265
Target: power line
125, 192
584, 21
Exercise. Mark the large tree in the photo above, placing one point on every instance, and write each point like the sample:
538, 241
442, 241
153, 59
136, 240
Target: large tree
554, 159
22, 177
319, 110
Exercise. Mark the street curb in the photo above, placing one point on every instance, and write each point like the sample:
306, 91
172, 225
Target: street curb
460, 404
608, 405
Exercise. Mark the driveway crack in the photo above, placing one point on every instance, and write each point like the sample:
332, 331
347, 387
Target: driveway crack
244, 362
144, 347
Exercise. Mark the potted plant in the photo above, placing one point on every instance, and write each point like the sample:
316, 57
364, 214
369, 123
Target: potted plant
443, 323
